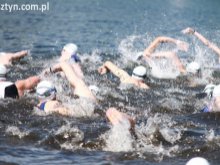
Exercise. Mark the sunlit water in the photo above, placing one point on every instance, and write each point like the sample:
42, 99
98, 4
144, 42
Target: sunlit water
169, 126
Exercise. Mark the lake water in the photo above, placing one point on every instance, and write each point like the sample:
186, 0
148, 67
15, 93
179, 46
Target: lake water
170, 127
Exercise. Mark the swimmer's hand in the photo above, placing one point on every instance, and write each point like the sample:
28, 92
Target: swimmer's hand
27, 52
184, 46
146, 53
188, 31
102, 70
23, 53
116, 118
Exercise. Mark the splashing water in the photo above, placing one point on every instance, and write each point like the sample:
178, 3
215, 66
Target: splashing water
163, 69
119, 138
15, 131
71, 137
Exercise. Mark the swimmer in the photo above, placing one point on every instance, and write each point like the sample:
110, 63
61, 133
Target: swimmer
7, 58
197, 161
80, 88
192, 68
148, 53
68, 54
203, 39
9, 89
138, 75
47, 92
214, 104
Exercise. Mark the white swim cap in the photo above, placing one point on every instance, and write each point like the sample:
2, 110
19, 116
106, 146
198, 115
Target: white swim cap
139, 72
71, 48
45, 89
216, 91
197, 161
209, 90
193, 67
3, 72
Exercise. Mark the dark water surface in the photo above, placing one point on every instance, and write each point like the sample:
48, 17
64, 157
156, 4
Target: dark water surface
170, 127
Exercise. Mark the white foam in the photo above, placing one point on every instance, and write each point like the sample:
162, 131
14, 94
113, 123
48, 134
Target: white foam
170, 135
15, 131
163, 69
119, 139
210, 135
72, 135
70, 132
130, 47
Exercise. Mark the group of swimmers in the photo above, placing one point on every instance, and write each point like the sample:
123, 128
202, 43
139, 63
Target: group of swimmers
69, 65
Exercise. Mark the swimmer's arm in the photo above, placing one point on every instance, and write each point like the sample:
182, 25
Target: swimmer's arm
57, 68
56, 107
53, 69
70, 74
27, 84
144, 86
81, 89
62, 110
30, 82
17, 55
203, 39
109, 66
181, 44
78, 70
215, 48
116, 117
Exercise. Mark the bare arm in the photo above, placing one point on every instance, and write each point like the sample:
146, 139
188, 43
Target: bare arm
203, 39
150, 49
61, 110
53, 69
78, 70
116, 117
17, 55
109, 66
27, 84
57, 68
56, 107
70, 75
81, 88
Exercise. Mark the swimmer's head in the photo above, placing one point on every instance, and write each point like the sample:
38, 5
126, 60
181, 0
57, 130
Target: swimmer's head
69, 50
46, 90
139, 72
209, 90
197, 161
3, 72
193, 68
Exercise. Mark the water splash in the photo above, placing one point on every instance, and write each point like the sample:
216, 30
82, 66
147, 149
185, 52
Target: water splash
171, 135
15, 131
119, 139
131, 46
163, 69
71, 136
